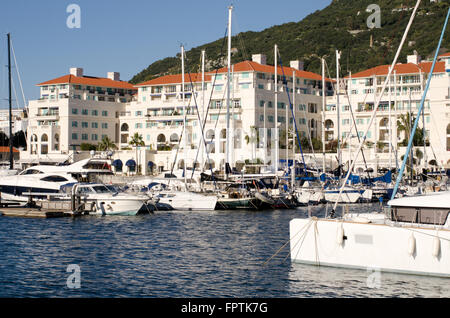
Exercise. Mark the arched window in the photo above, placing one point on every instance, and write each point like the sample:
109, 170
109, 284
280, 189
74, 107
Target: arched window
174, 138
44, 144
124, 127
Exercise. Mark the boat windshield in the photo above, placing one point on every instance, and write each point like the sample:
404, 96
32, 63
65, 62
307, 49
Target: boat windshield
101, 189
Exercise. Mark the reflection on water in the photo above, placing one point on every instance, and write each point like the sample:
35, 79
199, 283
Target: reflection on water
181, 254
321, 281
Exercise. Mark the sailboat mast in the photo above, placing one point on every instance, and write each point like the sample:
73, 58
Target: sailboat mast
293, 133
324, 105
202, 158
276, 108
338, 55
227, 143
184, 116
11, 158
390, 126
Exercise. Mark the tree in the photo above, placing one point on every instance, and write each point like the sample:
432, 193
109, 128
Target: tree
137, 141
106, 144
404, 123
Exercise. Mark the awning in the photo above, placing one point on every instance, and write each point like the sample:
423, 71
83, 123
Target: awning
117, 163
131, 163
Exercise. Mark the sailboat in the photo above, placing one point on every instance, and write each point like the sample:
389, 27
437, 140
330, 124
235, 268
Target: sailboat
410, 237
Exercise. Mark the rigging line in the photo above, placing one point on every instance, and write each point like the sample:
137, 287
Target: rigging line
292, 112
200, 121
179, 141
356, 127
353, 124
357, 132
241, 39
212, 89
20, 80
422, 102
377, 103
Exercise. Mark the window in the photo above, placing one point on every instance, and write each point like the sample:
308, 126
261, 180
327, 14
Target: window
271, 119
261, 117
245, 75
54, 179
84, 124
105, 125
94, 125
104, 113
94, 137
84, 136
95, 112
262, 103
74, 111
85, 112
74, 124
74, 136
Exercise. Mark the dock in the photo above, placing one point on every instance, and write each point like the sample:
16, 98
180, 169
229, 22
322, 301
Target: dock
37, 213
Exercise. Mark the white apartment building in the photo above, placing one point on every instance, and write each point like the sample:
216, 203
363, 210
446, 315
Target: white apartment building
19, 121
158, 114
359, 92
74, 109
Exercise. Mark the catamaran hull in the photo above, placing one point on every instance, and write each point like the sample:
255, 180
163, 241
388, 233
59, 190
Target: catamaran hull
348, 244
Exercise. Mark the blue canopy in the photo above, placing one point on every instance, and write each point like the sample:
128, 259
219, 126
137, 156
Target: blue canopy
151, 164
117, 163
131, 163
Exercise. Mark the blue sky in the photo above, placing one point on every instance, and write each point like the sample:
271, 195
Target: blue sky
123, 36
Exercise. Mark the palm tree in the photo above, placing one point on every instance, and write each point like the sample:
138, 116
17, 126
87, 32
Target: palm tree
106, 144
137, 141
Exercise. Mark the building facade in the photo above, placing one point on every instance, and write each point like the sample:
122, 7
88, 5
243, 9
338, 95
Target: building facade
72, 110
158, 114
388, 134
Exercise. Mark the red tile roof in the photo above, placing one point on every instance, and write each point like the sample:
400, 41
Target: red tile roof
445, 55
175, 79
89, 80
408, 68
248, 66
6, 149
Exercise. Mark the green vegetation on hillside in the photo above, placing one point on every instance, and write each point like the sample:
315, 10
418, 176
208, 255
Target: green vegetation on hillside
342, 25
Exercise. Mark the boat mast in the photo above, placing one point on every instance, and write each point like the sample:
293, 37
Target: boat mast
11, 159
184, 116
390, 126
202, 158
227, 143
323, 114
338, 55
276, 108
293, 134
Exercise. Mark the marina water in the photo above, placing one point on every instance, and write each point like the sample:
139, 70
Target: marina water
175, 254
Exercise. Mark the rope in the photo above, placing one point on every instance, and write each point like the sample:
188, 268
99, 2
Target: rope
287, 242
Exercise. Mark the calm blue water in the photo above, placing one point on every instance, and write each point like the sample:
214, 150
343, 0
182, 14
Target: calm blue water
180, 254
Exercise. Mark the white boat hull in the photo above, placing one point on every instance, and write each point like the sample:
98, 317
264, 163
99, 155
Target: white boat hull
346, 196
350, 244
189, 201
